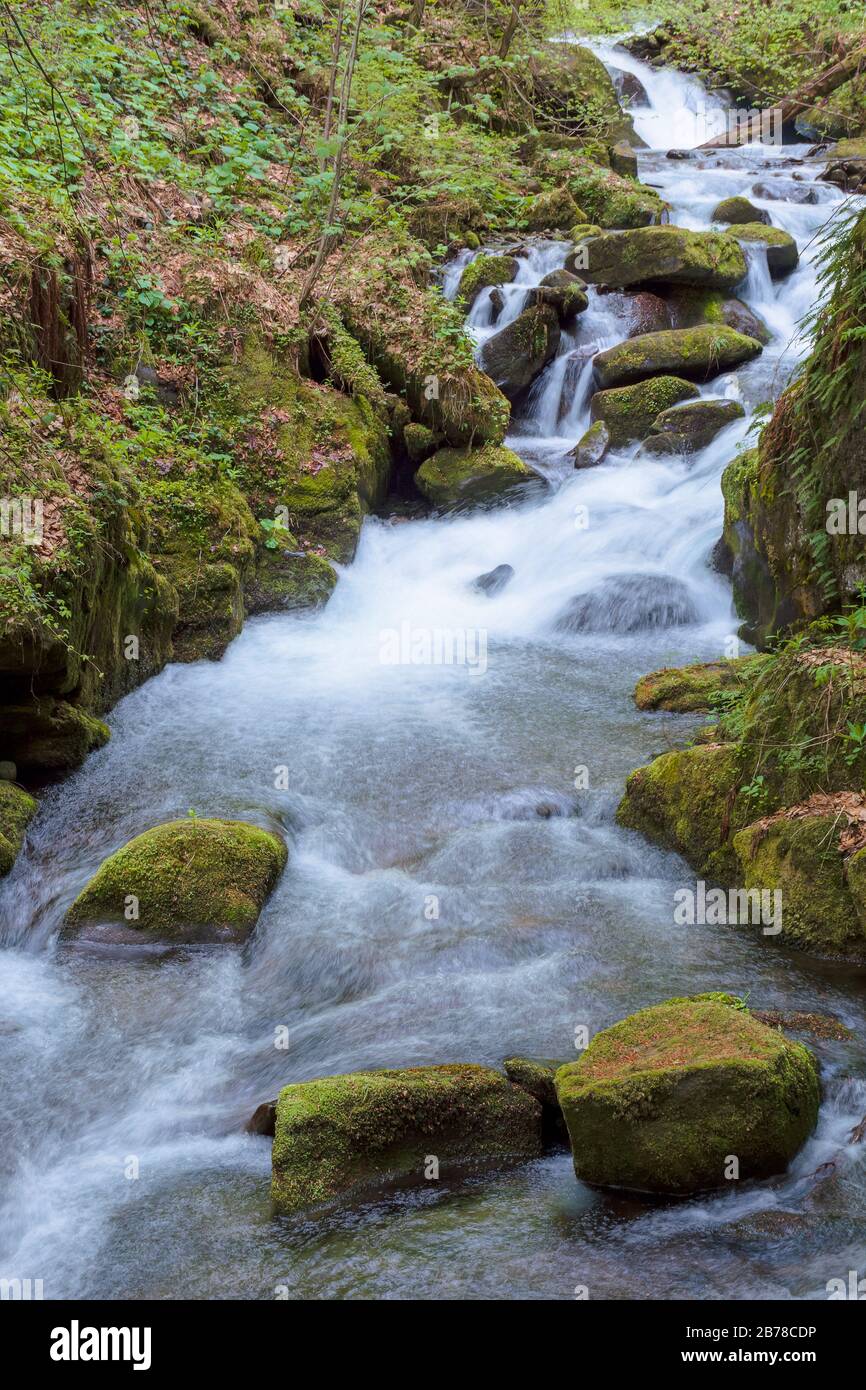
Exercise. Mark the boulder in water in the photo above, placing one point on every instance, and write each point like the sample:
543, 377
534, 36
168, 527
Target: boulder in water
552, 211
190, 879
782, 253
666, 255
592, 446
50, 734
629, 88
495, 580
17, 809
578, 256
736, 210
786, 191
662, 1101
263, 1119
699, 353
515, 355
612, 201
342, 1137
482, 274
537, 1076
687, 428
462, 477
629, 411
564, 291
689, 308
630, 603
691, 689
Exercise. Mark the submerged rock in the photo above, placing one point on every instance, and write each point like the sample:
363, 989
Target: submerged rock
193, 879
482, 274
17, 809
699, 353
735, 210
684, 429
461, 477
515, 355
343, 1137
629, 411
782, 253
667, 255
592, 446
495, 580
630, 603
663, 1101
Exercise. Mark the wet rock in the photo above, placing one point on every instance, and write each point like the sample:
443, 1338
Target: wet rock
592, 446
564, 292
190, 879
668, 255
629, 88
689, 308
736, 210
536, 1075
8, 771
455, 478
50, 735
515, 355
786, 190
782, 253
644, 312
17, 809
481, 274
553, 211
611, 201
629, 411
420, 441
495, 580
263, 1119
630, 603
679, 154
847, 174
700, 353
578, 256
343, 1137
685, 429
659, 1102
826, 1027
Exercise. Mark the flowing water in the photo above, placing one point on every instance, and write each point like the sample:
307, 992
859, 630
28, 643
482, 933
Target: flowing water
128, 1074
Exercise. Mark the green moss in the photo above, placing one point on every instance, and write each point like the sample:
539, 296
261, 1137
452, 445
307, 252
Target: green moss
553, 210
687, 689
481, 274
456, 477
662, 1101
629, 411
738, 210
608, 199
700, 353
186, 875
49, 734
17, 809
667, 255
782, 253
419, 441
342, 1136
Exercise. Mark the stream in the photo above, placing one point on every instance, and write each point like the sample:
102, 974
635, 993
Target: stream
128, 1074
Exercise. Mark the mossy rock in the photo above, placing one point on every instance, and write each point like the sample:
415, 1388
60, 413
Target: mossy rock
592, 446
50, 735
537, 1076
290, 579
551, 211
823, 896
578, 256
782, 253
662, 1102
17, 809
738, 210
420, 442
668, 256
692, 689
482, 274
564, 82
342, 1137
685, 429
629, 411
690, 800
201, 879
610, 201
463, 477
691, 307
515, 356
564, 292
694, 353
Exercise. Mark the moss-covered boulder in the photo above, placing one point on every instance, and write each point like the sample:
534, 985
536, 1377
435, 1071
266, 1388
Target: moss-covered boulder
578, 256
690, 307
592, 446
665, 255
800, 852
17, 809
50, 735
694, 353
690, 689
537, 1076
691, 800
782, 253
515, 355
737, 210
207, 879
482, 274
564, 292
665, 1100
684, 429
455, 478
609, 200
342, 1137
552, 211
629, 411
565, 81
